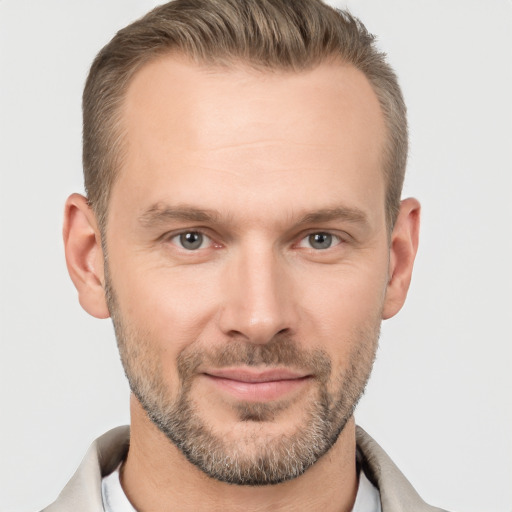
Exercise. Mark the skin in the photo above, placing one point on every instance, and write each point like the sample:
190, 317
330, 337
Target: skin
269, 153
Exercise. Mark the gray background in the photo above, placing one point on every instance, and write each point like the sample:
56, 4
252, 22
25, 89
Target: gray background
440, 397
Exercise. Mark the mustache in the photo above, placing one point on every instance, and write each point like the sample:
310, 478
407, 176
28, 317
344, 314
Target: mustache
281, 351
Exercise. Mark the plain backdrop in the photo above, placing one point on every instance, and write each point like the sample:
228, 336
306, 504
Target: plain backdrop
440, 398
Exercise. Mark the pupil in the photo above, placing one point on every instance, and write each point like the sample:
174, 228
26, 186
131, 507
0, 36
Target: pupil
191, 240
320, 240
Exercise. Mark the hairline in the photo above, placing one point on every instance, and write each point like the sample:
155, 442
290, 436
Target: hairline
223, 64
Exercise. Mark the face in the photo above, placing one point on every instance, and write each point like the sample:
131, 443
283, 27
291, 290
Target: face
248, 259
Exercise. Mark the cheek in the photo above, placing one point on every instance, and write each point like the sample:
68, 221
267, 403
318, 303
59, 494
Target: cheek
345, 310
171, 305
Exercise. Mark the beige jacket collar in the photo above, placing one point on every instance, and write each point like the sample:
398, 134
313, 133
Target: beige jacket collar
83, 491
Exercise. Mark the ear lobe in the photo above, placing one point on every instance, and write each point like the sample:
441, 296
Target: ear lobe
404, 245
84, 255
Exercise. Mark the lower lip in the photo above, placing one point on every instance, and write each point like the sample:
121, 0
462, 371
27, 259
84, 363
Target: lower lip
258, 391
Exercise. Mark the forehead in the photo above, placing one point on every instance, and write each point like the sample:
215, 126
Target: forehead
245, 133
208, 102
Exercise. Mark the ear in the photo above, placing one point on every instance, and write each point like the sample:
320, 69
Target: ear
84, 255
404, 245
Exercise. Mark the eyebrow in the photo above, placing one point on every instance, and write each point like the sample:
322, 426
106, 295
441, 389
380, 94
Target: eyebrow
160, 214
353, 215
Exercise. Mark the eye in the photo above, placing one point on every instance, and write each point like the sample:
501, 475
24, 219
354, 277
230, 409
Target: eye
320, 241
191, 240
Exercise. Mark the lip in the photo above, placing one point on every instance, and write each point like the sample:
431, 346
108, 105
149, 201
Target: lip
253, 375
257, 385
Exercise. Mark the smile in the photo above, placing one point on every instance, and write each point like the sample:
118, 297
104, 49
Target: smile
257, 386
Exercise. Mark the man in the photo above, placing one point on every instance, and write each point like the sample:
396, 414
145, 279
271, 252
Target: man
243, 227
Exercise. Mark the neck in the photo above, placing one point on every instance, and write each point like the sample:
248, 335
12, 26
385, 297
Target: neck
156, 476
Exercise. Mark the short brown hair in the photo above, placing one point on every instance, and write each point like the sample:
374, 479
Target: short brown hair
291, 35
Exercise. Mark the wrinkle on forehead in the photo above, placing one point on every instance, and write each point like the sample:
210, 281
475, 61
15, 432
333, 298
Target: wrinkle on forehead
237, 106
252, 143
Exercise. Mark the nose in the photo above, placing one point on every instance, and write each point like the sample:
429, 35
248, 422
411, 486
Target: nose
259, 302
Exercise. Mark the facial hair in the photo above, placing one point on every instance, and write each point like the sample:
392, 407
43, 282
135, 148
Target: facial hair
259, 458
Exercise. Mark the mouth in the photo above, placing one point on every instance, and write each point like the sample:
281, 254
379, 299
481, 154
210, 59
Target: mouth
253, 385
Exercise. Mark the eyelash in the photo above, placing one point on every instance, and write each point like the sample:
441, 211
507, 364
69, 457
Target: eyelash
179, 243
176, 240
336, 239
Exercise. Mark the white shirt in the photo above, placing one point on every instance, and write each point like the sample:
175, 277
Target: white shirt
112, 494
368, 496
115, 500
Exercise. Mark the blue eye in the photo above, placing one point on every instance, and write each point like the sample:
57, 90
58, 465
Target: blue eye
319, 241
191, 240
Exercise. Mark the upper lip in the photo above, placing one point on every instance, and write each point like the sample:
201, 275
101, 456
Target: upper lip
254, 375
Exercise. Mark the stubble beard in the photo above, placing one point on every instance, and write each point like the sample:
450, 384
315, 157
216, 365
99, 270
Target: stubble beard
256, 458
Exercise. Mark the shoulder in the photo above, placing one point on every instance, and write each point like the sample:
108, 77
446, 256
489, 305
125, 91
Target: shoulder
83, 492
396, 492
